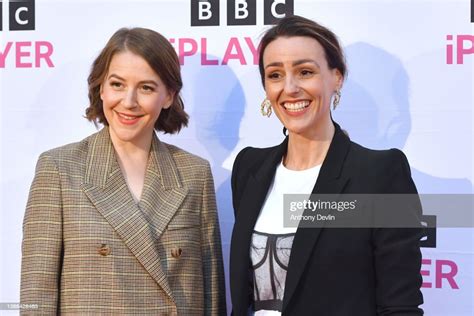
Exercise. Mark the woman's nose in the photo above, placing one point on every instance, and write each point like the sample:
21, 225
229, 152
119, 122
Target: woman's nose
291, 85
130, 99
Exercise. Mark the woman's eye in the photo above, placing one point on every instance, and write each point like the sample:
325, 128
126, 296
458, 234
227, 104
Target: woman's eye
116, 84
273, 75
306, 72
148, 88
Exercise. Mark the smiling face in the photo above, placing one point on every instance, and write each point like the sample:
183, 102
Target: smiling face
299, 84
133, 96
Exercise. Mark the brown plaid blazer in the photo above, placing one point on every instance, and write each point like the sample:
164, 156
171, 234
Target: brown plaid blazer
88, 248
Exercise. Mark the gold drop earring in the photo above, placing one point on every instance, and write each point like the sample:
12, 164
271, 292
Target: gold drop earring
266, 108
337, 99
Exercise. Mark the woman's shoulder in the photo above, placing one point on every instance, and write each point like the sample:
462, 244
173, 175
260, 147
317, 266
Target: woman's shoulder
375, 157
185, 158
253, 156
66, 159
75, 151
378, 171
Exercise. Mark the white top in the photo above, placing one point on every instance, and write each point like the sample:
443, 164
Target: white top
271, 242
286, 181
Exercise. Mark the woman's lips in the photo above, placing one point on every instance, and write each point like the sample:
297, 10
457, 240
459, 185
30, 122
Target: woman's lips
128, 119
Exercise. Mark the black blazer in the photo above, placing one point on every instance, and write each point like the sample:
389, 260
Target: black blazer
332, 271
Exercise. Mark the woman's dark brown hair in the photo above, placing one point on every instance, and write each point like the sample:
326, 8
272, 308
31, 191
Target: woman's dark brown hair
299, 26
161, 57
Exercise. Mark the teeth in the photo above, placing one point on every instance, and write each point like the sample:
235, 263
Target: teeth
297, 106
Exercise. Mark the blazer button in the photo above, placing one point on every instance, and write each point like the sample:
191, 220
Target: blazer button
103, 250
176, 252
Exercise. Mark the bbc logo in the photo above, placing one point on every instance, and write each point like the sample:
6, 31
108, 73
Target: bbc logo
239, 12
21, 15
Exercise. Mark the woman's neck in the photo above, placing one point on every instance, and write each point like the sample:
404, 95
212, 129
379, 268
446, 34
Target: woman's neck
132, 149
132, 158
306, 151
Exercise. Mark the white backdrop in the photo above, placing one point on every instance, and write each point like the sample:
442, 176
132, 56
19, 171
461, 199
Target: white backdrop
401, 92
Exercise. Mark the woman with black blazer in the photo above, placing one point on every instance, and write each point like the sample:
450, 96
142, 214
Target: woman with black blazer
279, 270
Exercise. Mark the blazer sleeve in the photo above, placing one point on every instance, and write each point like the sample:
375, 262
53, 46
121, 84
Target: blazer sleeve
397, 250
42, 241
213, 271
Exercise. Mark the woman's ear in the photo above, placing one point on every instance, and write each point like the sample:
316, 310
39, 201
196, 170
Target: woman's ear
100, 92
338, 78
169, 99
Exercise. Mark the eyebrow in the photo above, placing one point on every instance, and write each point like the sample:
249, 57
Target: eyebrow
295, 63
142, 82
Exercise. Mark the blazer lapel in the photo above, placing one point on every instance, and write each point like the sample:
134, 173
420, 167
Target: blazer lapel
252, 199
107, 189
257, 186
163, 192
330, 181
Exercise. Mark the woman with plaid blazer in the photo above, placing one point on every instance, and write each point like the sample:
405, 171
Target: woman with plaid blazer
120, 222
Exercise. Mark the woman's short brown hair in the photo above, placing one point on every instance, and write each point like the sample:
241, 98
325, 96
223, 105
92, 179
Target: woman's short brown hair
161, 57
300, 26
